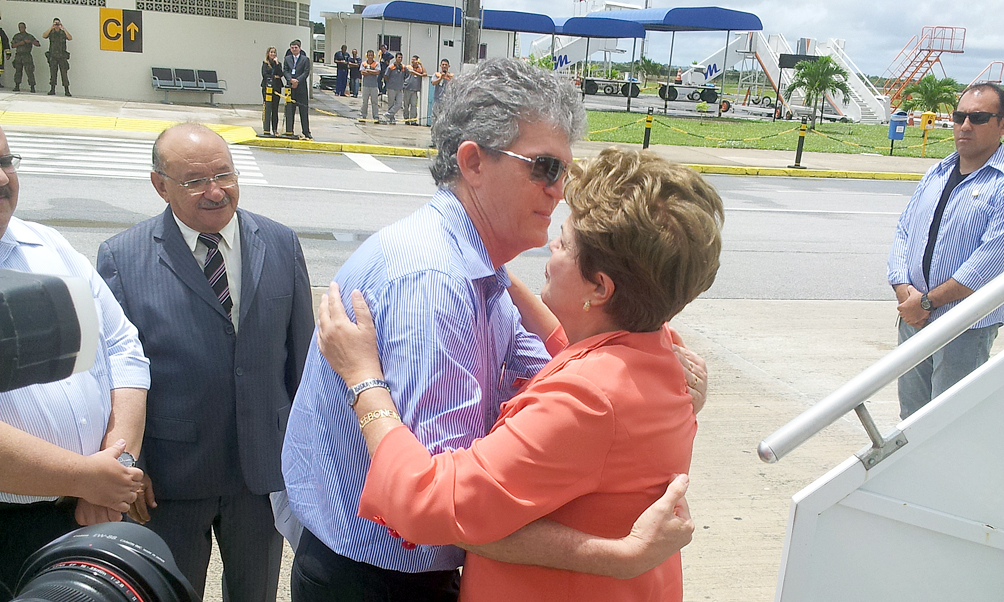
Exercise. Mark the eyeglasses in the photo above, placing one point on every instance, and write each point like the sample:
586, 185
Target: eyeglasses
200, 185
9, 163
975, 118
545, 169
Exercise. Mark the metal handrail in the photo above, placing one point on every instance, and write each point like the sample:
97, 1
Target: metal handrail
897, 362
855, 71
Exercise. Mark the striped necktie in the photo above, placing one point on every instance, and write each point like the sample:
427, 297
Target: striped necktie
216, 271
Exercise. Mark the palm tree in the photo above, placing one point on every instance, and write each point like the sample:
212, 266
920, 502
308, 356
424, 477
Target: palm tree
931, 94
817, 79
649, 69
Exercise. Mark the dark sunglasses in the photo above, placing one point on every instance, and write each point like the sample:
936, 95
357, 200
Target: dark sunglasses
544, 169
975, 118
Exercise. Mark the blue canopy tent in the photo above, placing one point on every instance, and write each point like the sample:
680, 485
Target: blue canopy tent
708, 18
413, 12
596, 27
515, 21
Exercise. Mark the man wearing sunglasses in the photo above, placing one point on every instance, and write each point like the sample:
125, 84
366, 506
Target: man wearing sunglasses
451, 339
222, 302
949, 242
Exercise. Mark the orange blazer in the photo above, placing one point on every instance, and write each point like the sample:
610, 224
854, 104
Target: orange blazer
590, 442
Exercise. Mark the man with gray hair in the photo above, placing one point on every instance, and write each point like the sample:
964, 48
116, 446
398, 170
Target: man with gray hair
451, 339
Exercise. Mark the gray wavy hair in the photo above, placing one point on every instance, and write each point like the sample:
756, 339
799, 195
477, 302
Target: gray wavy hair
488, 105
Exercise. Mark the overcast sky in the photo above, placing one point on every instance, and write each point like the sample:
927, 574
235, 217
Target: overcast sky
875, 30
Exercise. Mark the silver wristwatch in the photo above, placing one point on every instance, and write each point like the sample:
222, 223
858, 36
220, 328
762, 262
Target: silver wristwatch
366, 384
126, 459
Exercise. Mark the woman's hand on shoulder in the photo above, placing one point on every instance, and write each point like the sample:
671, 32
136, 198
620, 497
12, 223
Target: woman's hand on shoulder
696, 372
350, 347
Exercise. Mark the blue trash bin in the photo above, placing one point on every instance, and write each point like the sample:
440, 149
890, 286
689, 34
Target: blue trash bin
897, 128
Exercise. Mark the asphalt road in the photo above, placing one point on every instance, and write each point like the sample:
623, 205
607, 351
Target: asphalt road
784, 238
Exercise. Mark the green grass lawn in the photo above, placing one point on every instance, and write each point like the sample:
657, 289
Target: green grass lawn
852, 138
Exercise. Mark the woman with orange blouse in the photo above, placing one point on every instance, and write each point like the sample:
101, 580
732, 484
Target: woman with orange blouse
594, 438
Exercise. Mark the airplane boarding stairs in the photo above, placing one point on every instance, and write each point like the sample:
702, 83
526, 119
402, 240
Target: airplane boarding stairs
865, 105
919, 514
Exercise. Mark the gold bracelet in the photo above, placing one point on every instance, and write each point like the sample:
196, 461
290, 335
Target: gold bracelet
376, 415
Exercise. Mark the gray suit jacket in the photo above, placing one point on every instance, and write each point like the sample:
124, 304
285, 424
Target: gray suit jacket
218, 401
302, 66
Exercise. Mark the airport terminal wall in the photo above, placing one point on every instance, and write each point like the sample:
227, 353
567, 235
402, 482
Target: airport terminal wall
233, 47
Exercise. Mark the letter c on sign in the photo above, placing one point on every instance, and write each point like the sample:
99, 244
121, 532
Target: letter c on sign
109, 35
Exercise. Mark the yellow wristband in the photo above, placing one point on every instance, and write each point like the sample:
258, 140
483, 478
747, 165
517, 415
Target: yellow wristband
376, 415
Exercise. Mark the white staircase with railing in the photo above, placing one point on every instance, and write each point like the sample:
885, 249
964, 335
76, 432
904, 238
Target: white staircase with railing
866, 104
918, 515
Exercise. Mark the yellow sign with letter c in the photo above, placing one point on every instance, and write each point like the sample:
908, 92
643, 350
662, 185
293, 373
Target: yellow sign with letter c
121, 30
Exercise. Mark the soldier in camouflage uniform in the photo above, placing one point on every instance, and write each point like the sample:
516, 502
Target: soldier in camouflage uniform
22, 43
59, 58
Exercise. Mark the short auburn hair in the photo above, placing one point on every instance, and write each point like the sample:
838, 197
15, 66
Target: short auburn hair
654, 227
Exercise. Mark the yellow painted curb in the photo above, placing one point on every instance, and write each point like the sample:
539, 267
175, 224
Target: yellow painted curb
230, 133
803, 173
338, 147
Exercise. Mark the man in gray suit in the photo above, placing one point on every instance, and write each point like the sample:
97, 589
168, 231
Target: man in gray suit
222, 302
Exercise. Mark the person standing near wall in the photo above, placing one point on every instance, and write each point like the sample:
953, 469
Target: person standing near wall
394, 82
296, 69
370, 70
5, 44
354, 61
271, 89
22, 43
58, 56
341, 60
412, 86
385, 58
440, 79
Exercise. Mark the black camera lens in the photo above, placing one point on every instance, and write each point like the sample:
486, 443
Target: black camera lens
110, 562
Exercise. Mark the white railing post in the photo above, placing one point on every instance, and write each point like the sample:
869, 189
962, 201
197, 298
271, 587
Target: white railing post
897, 362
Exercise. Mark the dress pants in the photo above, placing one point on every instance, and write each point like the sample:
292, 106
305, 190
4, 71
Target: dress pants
320, 575
270, 111
24, 529
947, 366
291, 108
250, 546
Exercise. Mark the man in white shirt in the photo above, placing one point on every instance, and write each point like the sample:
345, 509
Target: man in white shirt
60, 442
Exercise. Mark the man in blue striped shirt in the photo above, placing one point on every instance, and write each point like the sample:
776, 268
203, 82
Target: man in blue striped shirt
63, 438
449, 334
950, 242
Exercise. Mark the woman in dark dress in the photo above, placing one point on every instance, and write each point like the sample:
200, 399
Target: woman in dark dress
271, 76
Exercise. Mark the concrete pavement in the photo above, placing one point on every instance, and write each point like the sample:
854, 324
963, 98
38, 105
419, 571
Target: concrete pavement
768, 360
335, 128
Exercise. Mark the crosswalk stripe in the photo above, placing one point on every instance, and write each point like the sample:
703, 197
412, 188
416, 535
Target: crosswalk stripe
369, 163
93, 156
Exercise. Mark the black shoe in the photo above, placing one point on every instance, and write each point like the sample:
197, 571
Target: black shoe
67, 93
266, 135
17, 87
33, 89
52, 92
308, 137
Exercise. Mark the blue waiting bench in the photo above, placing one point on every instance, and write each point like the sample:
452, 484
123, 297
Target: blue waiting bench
187, 80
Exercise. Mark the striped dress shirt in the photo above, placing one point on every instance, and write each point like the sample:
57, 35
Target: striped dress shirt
71, 413
452, 349
970, 243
